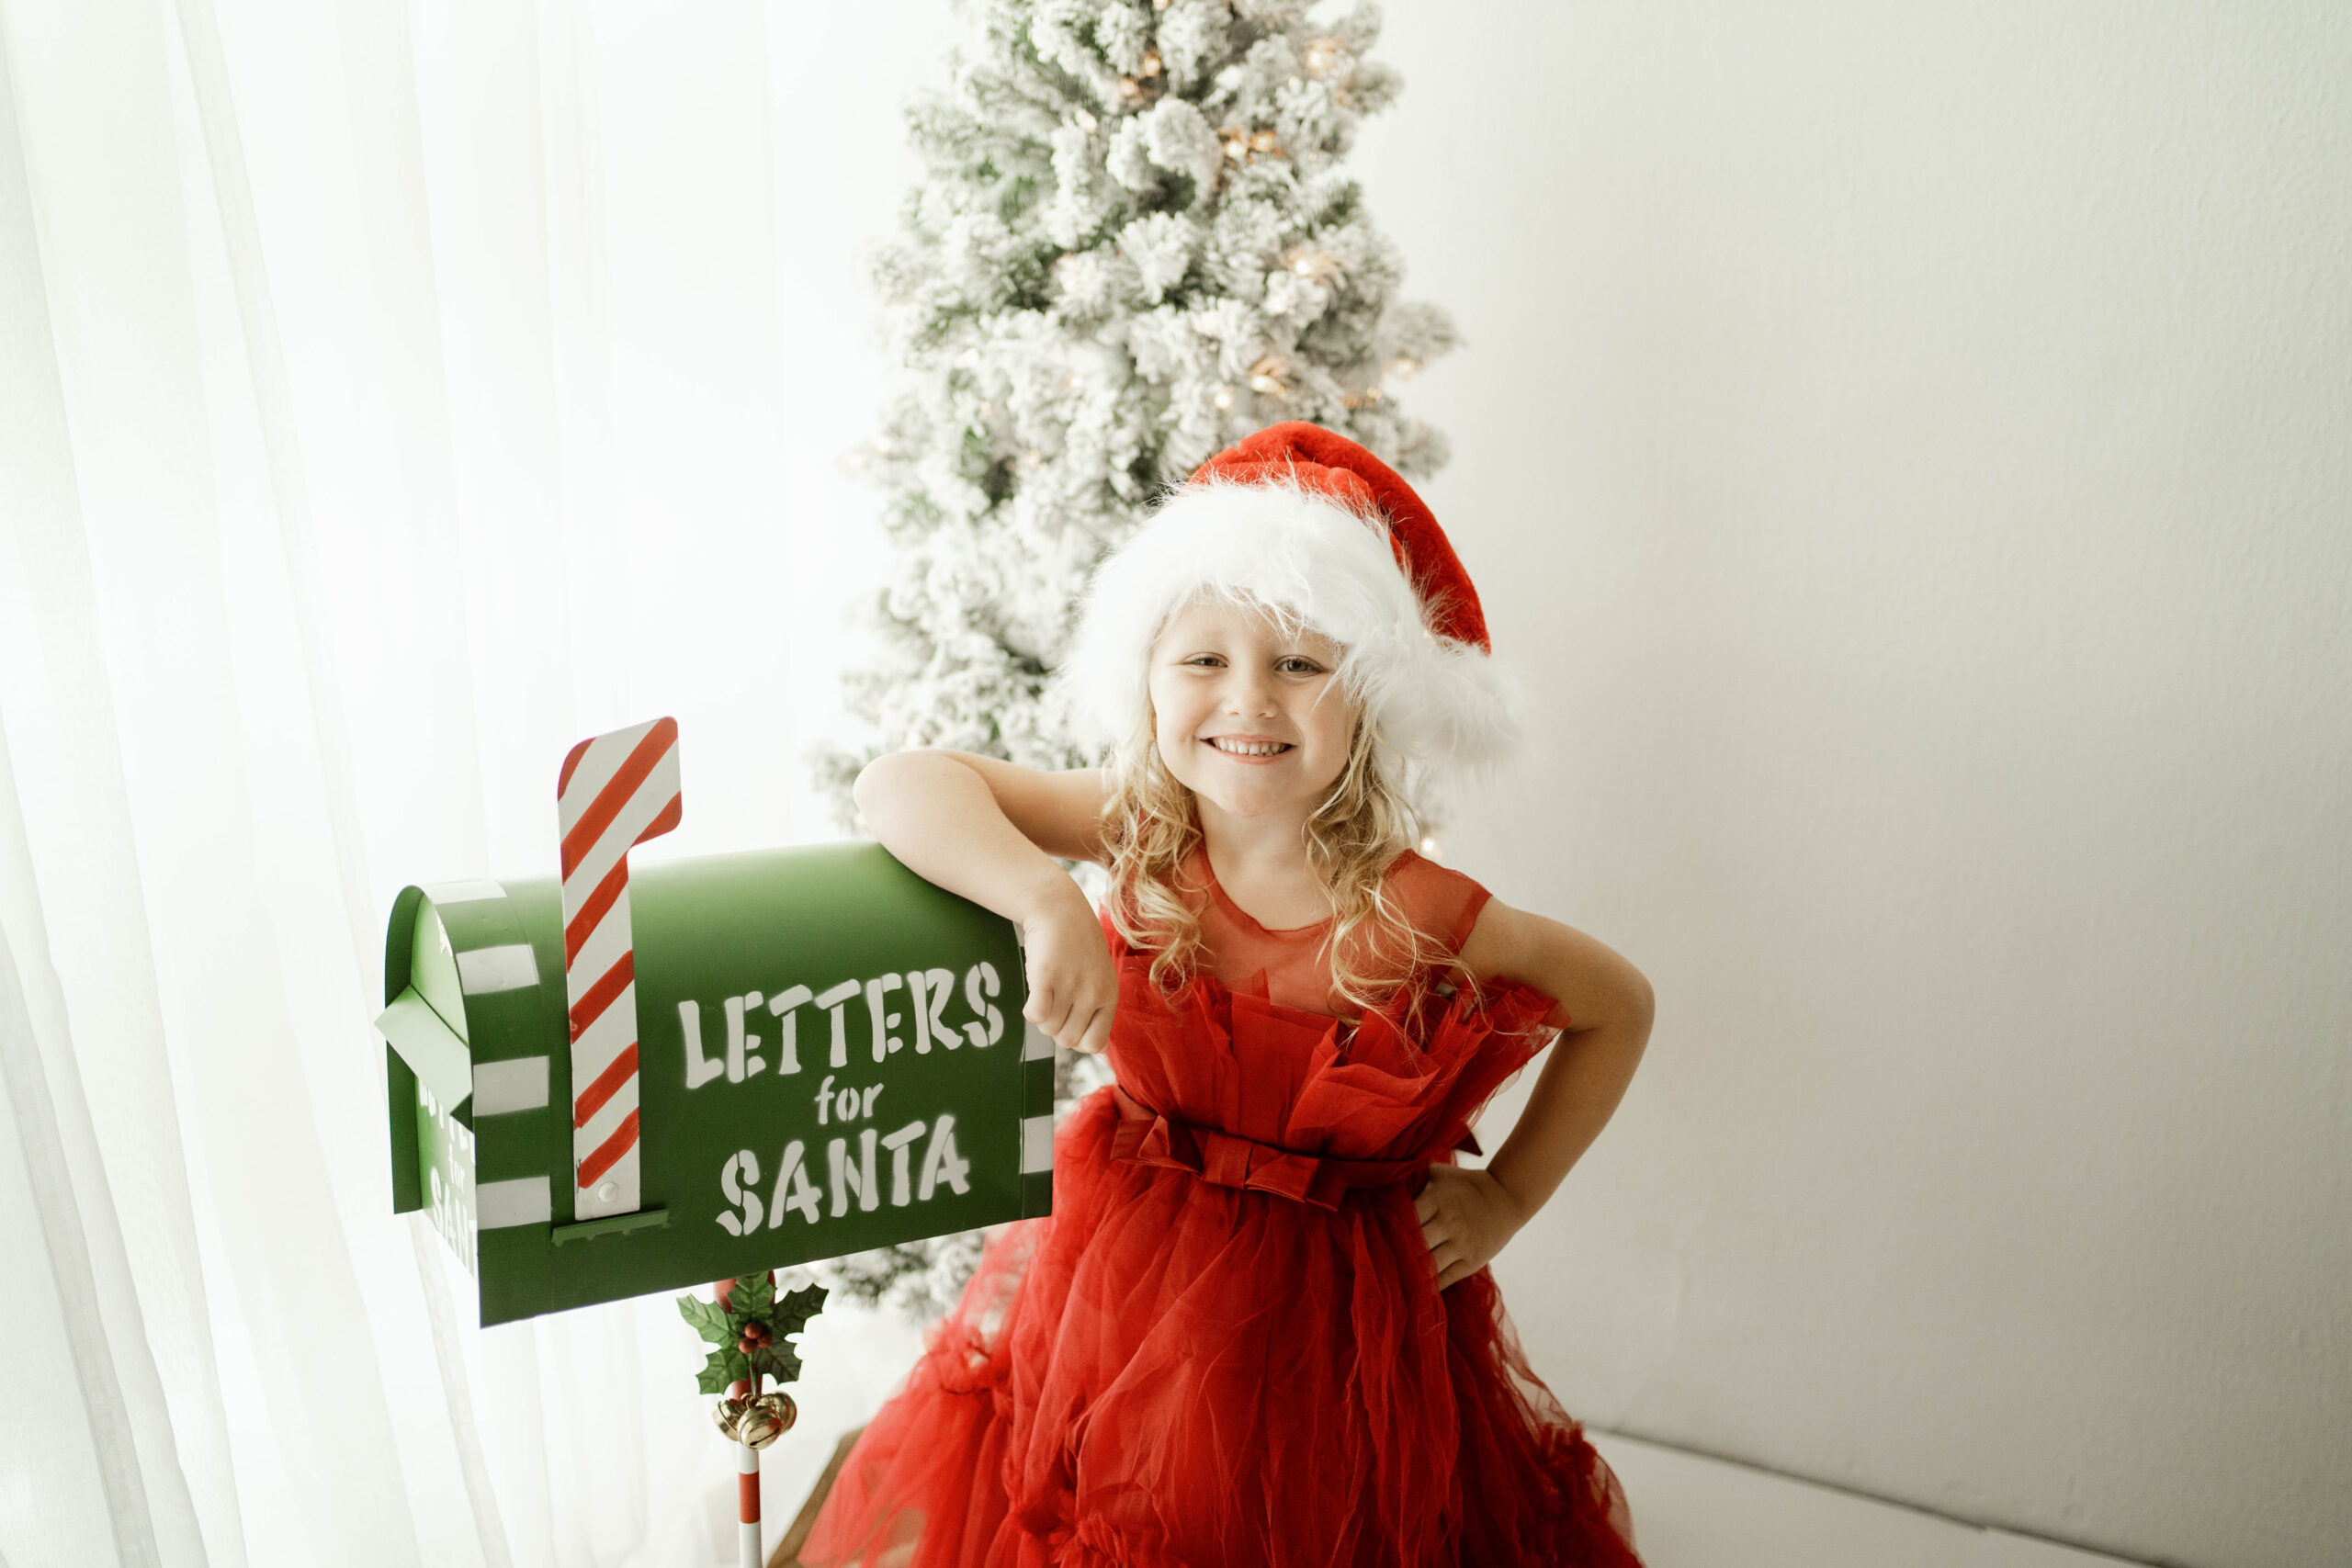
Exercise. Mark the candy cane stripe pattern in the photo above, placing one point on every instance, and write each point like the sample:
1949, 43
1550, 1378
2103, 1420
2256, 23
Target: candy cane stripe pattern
617, 790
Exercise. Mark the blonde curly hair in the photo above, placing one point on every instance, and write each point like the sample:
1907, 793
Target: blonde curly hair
1151, 825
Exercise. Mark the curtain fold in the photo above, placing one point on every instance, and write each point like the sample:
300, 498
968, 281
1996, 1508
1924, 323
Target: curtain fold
104, 1189
368, 434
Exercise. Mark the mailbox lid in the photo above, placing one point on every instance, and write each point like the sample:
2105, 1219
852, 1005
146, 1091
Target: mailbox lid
473, 1032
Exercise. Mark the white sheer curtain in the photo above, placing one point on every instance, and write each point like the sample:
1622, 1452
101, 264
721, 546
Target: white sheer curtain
389, 395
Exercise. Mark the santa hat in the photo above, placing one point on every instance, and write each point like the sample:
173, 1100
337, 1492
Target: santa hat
1302, 519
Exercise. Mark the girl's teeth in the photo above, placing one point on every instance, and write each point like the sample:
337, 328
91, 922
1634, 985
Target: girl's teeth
1250, 748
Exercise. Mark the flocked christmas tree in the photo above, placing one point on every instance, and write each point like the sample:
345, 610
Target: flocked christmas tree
1135, 244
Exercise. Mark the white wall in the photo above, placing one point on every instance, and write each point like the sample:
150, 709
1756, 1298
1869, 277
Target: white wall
1906, 446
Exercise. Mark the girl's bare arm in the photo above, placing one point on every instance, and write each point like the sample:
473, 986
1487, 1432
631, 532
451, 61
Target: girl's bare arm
991, 831
1467, 1215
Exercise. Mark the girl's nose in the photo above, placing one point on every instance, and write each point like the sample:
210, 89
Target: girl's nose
1248, 695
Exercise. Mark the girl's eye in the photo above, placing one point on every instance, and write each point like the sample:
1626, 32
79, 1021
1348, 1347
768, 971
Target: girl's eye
1298, 664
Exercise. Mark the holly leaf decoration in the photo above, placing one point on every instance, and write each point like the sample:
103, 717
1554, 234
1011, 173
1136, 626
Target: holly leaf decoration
706, 1319
793, 1313
778, 1360
788, 1317
750, 1300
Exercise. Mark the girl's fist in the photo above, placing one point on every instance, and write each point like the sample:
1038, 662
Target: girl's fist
1466, 1216
1073, 986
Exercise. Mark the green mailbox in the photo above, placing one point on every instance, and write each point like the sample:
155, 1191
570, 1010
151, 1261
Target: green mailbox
828, 1055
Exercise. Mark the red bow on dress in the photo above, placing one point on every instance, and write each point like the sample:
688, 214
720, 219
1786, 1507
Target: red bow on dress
1145, 1136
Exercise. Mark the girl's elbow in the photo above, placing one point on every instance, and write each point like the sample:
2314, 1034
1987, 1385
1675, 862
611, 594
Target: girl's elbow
1641, 1002
1625, 999
917, 780
874, 781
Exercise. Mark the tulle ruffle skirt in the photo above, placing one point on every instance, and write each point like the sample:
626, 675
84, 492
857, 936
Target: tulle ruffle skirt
1170, 1369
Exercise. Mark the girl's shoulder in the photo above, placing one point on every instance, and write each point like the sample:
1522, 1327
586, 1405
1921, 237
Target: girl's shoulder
1440, 903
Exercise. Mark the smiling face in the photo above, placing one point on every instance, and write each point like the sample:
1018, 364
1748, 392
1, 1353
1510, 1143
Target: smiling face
1249, 714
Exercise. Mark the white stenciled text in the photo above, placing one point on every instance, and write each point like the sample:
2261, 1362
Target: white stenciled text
902, 1010
862, 1171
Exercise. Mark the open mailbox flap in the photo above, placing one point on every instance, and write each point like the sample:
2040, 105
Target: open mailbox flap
429, 1046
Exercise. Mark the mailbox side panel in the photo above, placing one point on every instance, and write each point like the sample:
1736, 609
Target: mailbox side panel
446, 1150
400, 1100
400, 1080
1037, 1123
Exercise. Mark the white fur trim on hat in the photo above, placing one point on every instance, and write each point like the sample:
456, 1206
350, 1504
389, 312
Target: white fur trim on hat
1446, 706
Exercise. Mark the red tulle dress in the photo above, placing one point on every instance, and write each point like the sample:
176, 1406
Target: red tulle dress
1226, 1346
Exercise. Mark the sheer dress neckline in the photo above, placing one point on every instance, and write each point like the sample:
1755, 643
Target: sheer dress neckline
1251, 924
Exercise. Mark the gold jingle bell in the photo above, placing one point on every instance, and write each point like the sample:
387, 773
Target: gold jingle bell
728, 1414
769, 1417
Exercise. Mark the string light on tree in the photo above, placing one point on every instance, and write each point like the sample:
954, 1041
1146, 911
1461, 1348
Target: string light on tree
1325, 56
1140, 87
1321, 267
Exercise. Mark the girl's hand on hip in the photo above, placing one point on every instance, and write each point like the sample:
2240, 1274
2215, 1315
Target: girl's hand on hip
1466, 1216
1073, 986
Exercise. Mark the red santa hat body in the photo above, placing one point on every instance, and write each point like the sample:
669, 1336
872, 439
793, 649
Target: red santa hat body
1308, 523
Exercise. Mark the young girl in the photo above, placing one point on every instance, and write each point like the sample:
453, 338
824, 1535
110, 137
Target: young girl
1257, 1327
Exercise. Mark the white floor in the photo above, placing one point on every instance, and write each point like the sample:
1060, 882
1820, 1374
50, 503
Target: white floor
1690, 1512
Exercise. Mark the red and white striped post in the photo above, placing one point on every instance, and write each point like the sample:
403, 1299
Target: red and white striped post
747, 1482
617, 790
747, 1464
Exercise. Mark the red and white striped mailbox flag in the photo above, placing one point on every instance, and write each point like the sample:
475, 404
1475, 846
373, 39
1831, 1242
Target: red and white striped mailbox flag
617, 790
